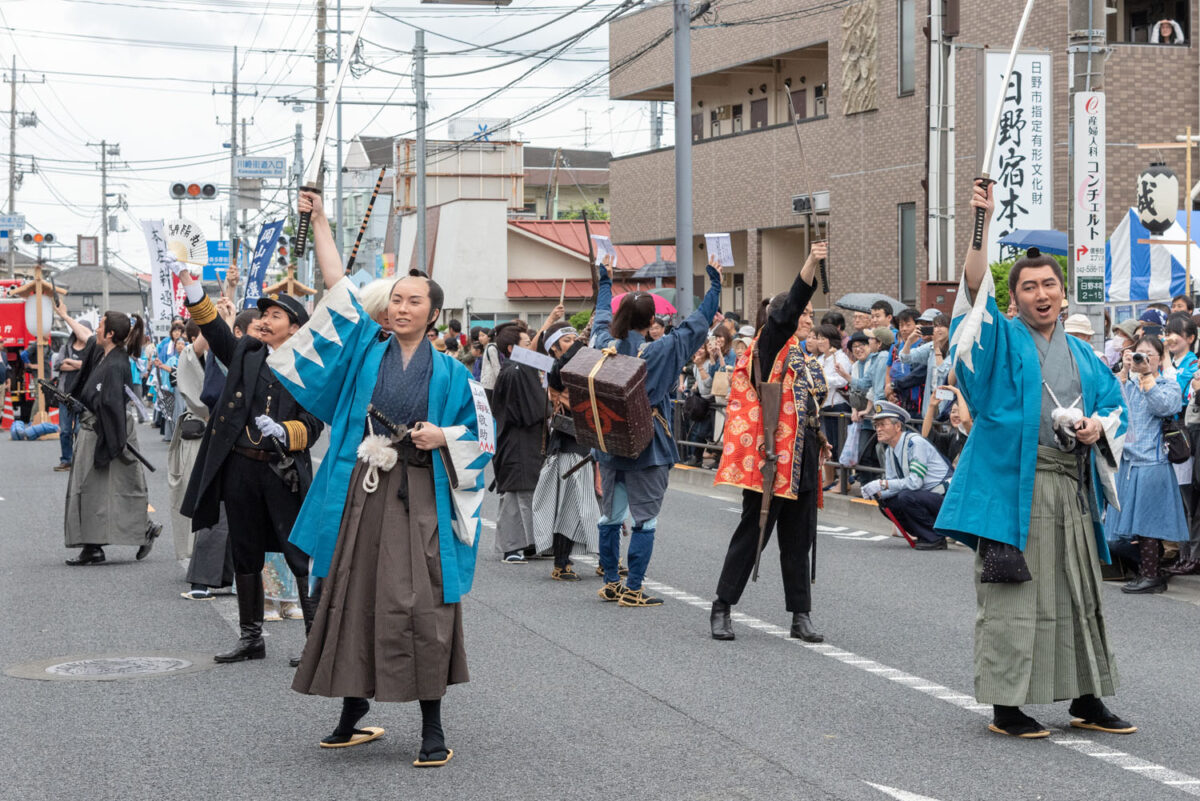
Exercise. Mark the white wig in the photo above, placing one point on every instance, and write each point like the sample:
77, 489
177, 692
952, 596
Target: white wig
375, 297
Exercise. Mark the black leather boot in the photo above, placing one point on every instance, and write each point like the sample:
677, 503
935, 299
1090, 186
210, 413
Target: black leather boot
250, 616
308, 606
722, 628
802, 628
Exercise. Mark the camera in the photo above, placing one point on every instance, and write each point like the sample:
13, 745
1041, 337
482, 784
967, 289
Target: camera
926, 330
1139, 358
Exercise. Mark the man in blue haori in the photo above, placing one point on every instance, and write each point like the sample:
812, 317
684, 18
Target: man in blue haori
392, 518
1027, 496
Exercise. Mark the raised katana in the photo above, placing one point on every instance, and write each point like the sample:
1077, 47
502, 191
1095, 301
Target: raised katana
312, 176
990, 149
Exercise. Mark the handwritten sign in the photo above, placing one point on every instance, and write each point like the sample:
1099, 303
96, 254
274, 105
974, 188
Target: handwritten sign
720, 246
604, 247
1022, 166
268, 235
163, 298
483, 413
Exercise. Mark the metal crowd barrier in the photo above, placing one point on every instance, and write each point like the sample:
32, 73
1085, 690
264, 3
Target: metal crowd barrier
681, 424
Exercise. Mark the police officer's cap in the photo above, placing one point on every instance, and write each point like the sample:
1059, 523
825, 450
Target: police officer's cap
885, 410
292, 307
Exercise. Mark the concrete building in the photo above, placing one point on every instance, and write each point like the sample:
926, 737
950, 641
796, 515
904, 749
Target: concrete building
126, 292
581, 180
863, 78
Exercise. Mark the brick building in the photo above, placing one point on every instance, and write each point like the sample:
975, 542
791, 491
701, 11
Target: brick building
859, 77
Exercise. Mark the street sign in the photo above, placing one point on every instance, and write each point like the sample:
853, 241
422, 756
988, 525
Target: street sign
12, 222
260, 167
1090, 227
87, 251
218, 260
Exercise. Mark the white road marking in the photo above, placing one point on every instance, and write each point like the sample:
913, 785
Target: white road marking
899, 795
1157, 773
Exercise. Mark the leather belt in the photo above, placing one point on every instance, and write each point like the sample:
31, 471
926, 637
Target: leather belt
253, 453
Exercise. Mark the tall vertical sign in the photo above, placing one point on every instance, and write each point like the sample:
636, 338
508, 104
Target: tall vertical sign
1022, 166
268, 235
1087, 194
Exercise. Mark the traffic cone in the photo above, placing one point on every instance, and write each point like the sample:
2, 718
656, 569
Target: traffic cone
53, 418
6, 420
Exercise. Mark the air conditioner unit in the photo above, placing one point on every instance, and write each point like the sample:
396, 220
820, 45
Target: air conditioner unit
818, 204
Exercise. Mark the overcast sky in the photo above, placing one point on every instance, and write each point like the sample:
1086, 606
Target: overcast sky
142, 73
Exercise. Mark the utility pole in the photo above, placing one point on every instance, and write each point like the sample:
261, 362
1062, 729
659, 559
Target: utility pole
12, 159
321, 58
586, 129
338, 111
656, 124
106, 149
419, 91
234, 194
245, 211
297, 179
1086, 49
233, 151
683, 156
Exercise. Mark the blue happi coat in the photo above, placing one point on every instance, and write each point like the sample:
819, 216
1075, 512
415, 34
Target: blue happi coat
331, 366
999, 372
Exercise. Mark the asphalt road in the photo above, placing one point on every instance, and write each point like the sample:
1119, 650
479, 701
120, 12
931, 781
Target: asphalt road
570, 697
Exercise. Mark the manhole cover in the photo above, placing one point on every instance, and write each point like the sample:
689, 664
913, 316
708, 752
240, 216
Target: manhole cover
118, 666
112, 667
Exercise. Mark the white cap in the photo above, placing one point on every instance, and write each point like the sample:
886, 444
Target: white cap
1079, 324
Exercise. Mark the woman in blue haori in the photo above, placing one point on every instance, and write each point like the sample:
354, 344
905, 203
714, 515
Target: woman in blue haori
637, 486
392, 518
1151, 508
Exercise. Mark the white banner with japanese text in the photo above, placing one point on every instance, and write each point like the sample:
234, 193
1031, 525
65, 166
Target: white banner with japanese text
162, 285
1022, 163
1090, 227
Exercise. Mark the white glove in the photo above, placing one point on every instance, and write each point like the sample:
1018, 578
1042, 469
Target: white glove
871, 489
270, 428
174, 263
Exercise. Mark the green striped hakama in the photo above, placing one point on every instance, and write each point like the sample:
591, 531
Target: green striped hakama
1044, 640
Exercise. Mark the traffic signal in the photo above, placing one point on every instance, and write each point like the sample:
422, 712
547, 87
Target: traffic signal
282, 250
182, 190
38, 239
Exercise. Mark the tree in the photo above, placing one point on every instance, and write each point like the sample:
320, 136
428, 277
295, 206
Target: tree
1000, 271
594, 212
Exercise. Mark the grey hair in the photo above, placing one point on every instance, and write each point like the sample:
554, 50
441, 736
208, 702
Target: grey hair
376, 295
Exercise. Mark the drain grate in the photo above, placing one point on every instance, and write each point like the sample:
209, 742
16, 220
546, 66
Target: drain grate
112, 667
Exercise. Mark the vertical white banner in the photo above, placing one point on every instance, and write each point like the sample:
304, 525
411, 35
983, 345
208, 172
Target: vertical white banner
1090, 227
1022, 165
162, 290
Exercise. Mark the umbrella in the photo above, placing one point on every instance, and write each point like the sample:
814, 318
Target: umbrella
862, 301
655, 269
1045, 241
661, 304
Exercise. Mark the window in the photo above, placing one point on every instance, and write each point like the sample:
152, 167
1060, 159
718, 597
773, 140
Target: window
697, 127
907, 223
906, 45
715, 122
1136, 21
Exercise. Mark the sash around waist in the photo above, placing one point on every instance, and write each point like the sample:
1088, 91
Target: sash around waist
1052, 460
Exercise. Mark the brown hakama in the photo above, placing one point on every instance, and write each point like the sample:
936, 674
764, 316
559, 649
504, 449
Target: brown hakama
382, 630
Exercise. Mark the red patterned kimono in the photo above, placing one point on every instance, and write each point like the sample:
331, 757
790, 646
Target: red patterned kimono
743, 455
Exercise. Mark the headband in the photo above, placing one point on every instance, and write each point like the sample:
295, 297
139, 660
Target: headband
559, 334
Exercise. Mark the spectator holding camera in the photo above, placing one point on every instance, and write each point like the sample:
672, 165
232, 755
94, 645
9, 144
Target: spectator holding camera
1151, 508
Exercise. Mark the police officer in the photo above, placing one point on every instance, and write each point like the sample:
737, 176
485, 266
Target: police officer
915, 478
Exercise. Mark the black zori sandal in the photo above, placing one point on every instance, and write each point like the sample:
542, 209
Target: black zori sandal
433, 759
356, 737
